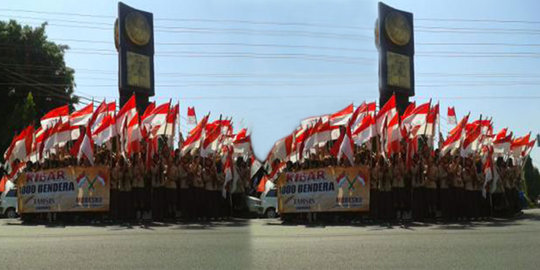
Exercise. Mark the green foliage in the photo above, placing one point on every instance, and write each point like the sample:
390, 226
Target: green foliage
33, 78
532, 180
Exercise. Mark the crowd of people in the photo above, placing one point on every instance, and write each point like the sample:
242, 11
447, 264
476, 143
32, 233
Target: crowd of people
430, 186
169, 186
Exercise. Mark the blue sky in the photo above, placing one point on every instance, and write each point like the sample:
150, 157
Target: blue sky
269, 64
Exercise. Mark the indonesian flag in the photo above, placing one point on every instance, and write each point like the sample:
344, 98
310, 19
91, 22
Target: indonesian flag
452, 119
412, 149
55, 115
242, 143
529, 148
393, 136
365, 131
228, 170
157, 116
453, 141
408, 111
310, 140
169, 128
471, 142
519, 145
65, 133
134, 135
36, 145
418, 116
99, 114
281, 149
191, 117
387, 111
431, 121
490, 173
362, 111
502, 143
342, 117
193, 141
211, 141
86, 148
344, 146
148, 111
126, 114
105, 131
21, 146
311, 121
49, 141
82, 116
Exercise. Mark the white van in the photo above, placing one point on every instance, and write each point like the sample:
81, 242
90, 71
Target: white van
8, 204
269, 203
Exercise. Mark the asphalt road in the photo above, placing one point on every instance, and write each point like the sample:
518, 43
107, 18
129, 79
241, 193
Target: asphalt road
268, 244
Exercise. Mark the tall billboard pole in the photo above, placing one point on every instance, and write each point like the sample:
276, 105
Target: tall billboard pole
394, 38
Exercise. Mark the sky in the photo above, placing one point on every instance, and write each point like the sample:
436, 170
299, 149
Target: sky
269, 64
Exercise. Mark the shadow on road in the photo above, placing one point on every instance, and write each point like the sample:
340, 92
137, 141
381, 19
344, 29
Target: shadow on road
432, 224
149, 225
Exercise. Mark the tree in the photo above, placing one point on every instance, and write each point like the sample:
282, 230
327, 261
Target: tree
34, 78
532, 180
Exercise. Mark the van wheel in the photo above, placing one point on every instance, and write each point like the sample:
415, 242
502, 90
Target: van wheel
10, 213
271, 213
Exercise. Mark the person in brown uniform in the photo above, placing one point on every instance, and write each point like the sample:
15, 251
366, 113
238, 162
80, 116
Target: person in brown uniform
197, 188
114, 193
469, 204
170, 188
182, 187
137, 185
156, 172
374, 189
398, 187
444, 189
430, 184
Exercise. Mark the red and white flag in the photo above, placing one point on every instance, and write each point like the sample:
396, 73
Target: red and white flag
158, 116
58, 114
211, 141
169, 128
342, 117
82, 116
491, 175
453, 141
365, 131
344, 146
242, 143
193, 141
21, 145
128, 112
502, 143
99, 114
84, 147
134, 135
281, 149
519, 145
431, 121
452, 119
418, 116
387, 111
393, 136
191, 116
228, 171
105, 131
471, 143
65, 133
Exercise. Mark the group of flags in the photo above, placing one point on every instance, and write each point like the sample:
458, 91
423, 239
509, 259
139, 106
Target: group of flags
337, 133
87, 128
393, 133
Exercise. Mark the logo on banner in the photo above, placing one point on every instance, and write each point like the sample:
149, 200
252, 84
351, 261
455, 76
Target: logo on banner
83, 179
343, 178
